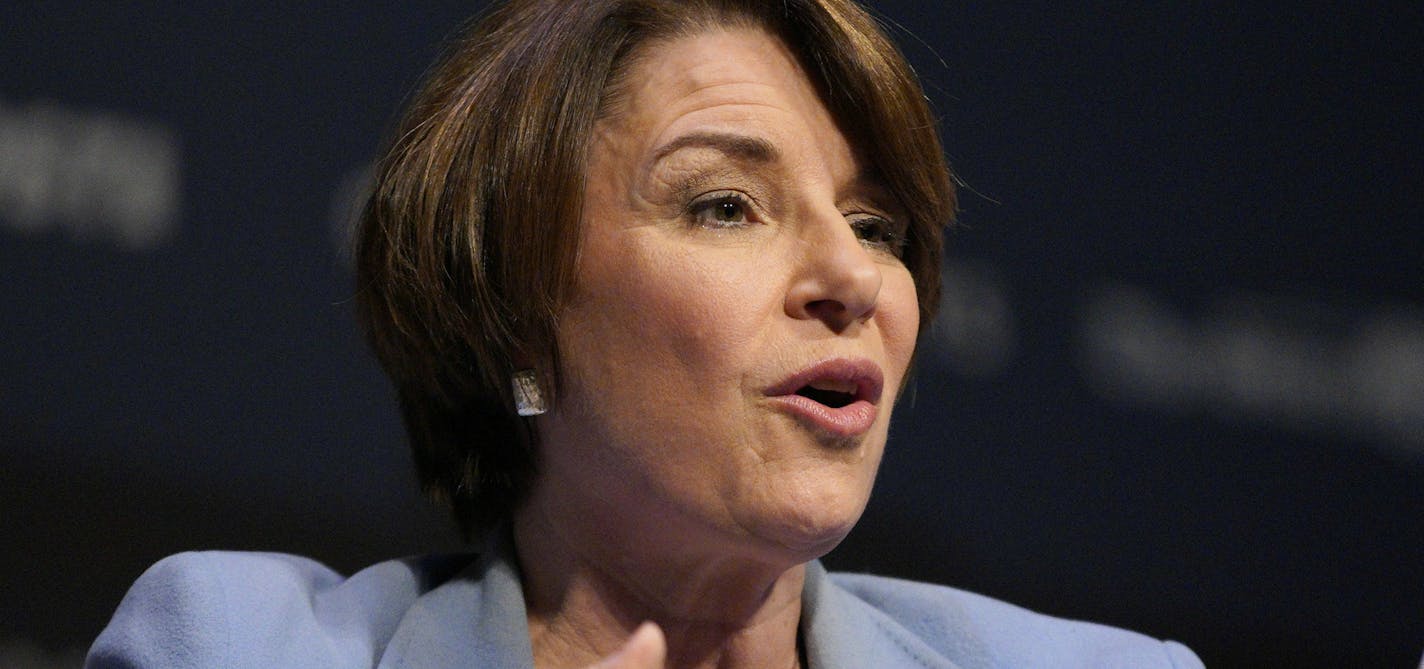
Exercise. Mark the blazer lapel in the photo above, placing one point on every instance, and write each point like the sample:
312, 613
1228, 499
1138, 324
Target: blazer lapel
842, 631
476, 619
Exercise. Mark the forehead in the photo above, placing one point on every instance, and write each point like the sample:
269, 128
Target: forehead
733, 80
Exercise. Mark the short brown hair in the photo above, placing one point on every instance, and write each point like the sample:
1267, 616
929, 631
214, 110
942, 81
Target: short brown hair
467, 246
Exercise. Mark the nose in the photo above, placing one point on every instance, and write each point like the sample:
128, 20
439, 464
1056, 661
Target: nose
837, 281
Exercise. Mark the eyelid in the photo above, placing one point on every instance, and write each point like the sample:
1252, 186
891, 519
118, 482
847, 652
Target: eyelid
702, 202
892, 223
716, 196
899, 224
868, 207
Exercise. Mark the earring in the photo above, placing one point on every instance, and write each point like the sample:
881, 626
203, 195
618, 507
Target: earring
528, 401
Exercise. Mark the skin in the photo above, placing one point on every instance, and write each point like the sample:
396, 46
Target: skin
672, 489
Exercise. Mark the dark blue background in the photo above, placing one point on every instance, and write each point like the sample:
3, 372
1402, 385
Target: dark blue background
1178, 386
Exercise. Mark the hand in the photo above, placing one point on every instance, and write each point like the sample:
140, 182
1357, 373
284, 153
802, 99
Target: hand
645, 649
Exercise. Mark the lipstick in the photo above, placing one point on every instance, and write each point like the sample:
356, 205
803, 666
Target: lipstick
838, 396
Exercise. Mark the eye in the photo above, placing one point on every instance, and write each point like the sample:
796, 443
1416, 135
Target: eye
879, 233
725, 209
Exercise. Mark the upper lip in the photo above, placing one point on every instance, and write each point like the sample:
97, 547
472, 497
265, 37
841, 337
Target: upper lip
868, 379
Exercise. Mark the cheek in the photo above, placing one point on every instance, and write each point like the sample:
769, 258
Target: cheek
699, 301
674, 320
899, 317
654, 349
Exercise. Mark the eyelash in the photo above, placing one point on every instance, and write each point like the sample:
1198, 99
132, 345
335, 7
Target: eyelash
703, 210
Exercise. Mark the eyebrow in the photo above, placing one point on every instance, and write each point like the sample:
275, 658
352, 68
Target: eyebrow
744, 147
752, 149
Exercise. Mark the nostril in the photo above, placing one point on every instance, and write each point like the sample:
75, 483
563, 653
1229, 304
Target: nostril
837, 314
825, 307
839, 284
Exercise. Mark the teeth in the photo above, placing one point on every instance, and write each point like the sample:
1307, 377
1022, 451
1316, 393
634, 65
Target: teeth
846, 387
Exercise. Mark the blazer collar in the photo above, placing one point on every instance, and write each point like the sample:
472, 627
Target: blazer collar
843, 631
478, 619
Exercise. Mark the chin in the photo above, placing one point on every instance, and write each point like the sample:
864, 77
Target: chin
805, 543
808, 529
810, 509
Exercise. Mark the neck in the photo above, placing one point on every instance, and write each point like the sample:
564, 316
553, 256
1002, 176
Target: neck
585, 595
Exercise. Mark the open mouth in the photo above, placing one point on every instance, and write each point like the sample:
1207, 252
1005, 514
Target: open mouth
834, 396
837, 396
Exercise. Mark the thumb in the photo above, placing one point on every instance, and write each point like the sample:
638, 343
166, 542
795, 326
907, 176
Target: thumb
645, 649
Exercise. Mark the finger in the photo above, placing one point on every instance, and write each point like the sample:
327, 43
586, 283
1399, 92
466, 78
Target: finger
645, 649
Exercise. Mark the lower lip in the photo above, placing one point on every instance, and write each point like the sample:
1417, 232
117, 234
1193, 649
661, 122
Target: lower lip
851, 420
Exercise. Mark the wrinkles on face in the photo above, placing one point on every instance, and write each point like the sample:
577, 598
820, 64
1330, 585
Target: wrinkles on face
677, 327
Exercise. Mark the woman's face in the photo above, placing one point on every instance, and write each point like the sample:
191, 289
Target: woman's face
741, 322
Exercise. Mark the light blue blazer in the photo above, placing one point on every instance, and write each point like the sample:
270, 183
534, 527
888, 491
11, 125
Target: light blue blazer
267, 610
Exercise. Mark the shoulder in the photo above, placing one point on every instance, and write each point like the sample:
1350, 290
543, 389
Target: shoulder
262, 609
975, 630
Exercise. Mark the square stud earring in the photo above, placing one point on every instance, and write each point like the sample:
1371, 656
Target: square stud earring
528, 400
